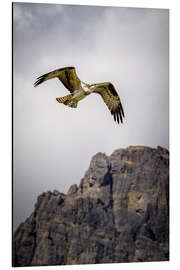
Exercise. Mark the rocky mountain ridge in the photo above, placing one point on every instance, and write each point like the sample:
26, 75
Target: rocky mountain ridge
118, 213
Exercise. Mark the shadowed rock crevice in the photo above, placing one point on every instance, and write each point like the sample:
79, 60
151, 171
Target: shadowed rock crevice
118, 213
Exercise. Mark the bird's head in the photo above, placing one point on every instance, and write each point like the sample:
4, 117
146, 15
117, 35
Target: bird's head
93, 86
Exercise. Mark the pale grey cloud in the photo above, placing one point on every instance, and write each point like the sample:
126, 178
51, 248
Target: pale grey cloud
53, 144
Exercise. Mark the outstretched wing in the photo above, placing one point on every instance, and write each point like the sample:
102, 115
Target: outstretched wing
66, 75
112, 100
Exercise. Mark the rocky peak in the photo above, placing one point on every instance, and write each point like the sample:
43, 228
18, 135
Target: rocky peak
118, 213
99, 166
72, 190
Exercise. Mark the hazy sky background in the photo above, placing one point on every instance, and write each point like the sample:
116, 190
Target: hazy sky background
53, 144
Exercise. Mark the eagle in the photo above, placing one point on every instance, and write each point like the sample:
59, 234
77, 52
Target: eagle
79, 90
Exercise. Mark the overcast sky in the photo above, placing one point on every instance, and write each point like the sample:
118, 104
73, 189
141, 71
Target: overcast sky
53, 144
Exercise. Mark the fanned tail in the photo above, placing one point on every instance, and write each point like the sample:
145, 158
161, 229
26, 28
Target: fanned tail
65, 100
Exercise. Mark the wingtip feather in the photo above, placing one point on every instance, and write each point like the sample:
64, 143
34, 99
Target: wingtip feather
39, 80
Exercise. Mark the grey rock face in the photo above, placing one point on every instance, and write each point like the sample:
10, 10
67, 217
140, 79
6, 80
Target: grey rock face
119, 213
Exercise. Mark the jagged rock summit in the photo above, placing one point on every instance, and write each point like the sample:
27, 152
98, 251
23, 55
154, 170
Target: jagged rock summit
118, 213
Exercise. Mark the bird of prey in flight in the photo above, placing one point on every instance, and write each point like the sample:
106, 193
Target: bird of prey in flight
79, 90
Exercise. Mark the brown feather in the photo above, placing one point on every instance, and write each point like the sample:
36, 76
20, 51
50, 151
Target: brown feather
66, 75
111, 99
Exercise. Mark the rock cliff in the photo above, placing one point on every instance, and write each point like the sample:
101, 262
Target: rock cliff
118, 213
